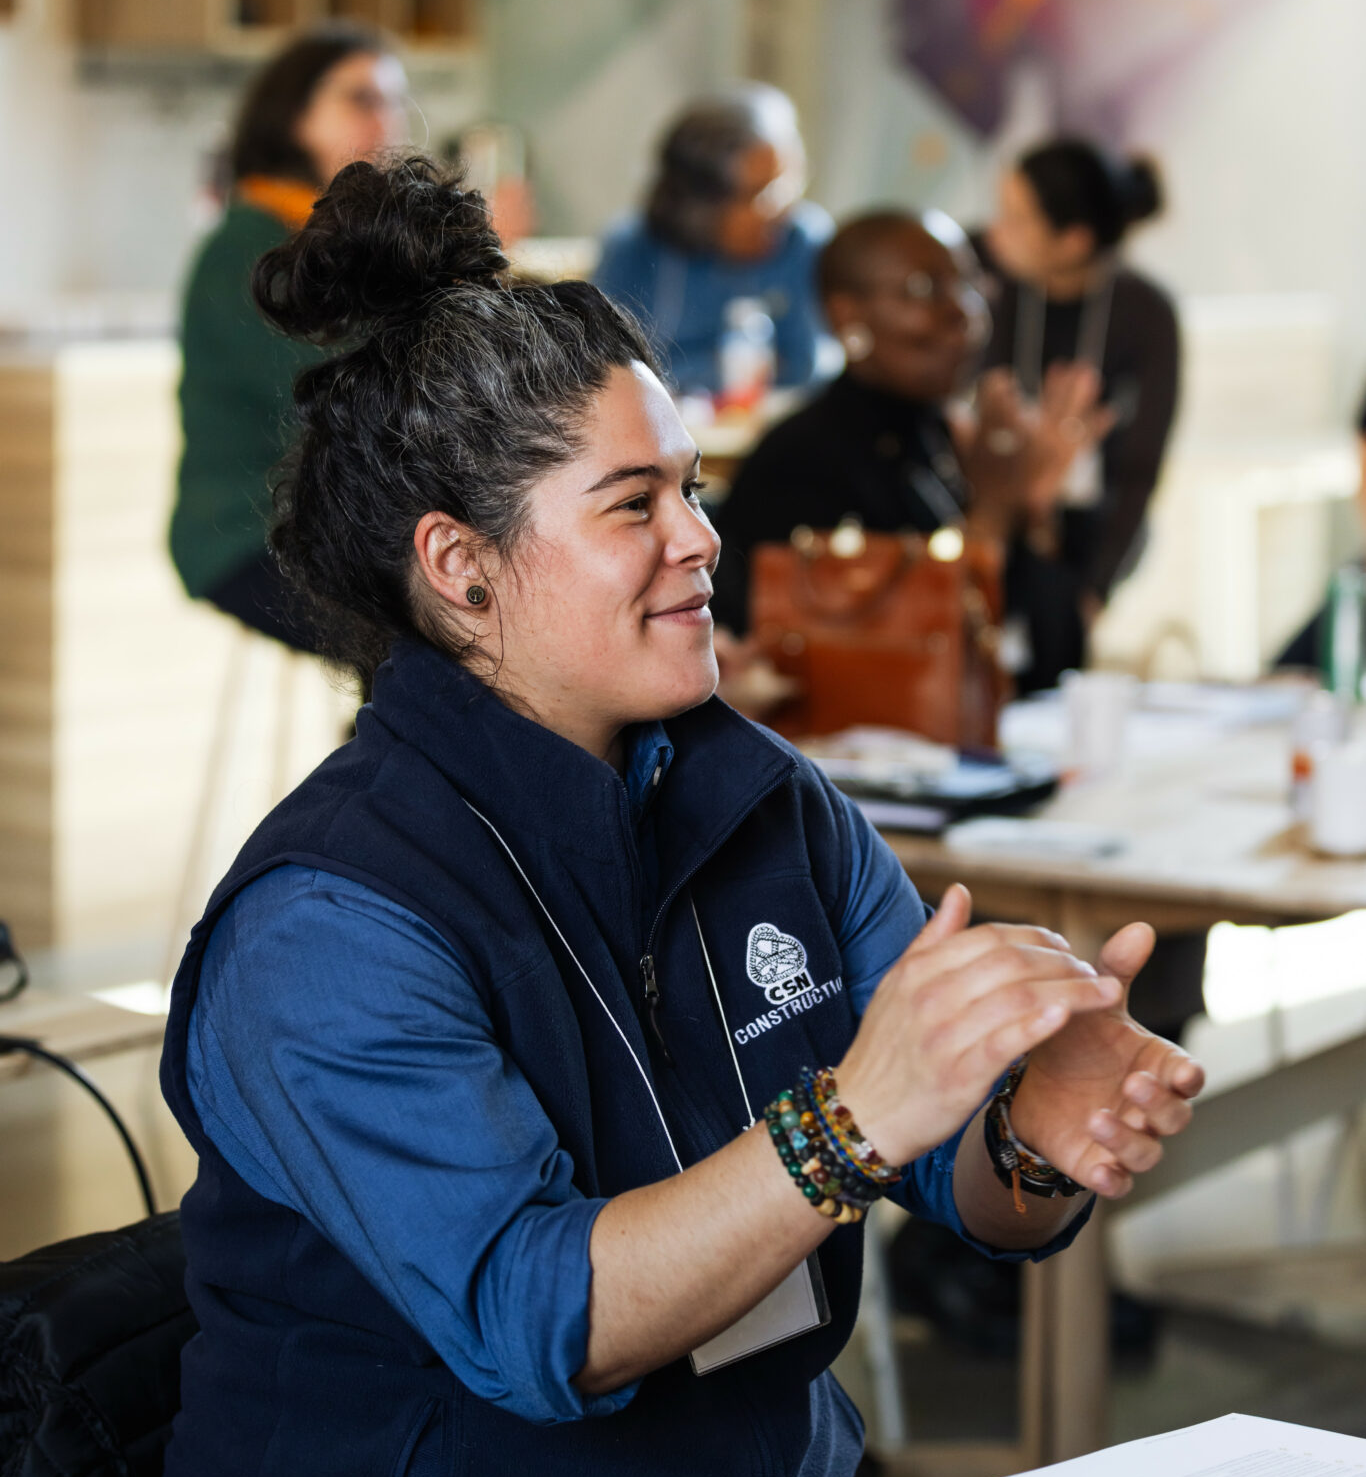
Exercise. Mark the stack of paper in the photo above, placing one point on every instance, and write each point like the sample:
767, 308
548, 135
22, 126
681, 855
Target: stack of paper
1232, 1446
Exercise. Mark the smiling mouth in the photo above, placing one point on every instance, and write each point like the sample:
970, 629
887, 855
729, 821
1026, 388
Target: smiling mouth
695, 607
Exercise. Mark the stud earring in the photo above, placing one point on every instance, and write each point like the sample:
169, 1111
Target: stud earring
476, 594
857, 339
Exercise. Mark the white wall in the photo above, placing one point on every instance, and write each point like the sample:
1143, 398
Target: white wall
1263, 139
103, 160
594, 83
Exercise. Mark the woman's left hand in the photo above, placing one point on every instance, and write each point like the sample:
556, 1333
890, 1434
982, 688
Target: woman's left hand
1097, 1098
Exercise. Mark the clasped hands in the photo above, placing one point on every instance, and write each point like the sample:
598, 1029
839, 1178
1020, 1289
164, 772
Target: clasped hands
1017, 453
962, 1004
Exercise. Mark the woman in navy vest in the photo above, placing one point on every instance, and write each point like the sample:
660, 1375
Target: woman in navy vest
500, 1042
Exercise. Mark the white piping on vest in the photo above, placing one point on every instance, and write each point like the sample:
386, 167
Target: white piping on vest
725, 1024
644, 1075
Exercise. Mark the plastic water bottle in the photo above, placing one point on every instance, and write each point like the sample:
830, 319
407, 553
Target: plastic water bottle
747, 356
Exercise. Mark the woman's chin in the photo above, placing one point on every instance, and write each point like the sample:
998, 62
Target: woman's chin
690, 690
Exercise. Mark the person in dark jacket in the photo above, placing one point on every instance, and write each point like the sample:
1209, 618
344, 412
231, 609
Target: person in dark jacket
1061, 294
876, 444
334, 94
475, 1037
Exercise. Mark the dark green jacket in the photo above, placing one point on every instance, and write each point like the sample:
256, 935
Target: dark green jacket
235, 404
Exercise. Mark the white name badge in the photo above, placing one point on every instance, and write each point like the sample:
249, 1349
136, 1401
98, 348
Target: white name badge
795, 1306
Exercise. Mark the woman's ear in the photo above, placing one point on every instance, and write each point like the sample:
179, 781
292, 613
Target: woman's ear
446, 558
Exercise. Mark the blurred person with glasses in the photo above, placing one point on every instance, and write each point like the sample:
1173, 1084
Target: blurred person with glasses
878, 444
335, 94
724, 226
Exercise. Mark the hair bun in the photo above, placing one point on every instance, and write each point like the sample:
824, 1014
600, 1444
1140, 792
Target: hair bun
1143, 195
380, 241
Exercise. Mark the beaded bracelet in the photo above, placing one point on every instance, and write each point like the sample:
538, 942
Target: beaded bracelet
792, 1160
830, 1198
853, 1149
825, 1162
1015, 1165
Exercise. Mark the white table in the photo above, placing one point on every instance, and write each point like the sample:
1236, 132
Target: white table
1209, 839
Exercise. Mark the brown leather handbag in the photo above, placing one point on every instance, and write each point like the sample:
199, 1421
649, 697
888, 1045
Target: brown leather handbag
894, 629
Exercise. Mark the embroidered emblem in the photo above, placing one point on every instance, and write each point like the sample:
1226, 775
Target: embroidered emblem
776, 962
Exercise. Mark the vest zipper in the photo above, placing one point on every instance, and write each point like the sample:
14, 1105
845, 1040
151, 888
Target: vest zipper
653, 1001
688, 876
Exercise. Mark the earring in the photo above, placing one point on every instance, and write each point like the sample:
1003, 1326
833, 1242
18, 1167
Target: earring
476, 594
857, 339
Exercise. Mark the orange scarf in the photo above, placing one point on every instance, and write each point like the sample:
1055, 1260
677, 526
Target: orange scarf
288, 200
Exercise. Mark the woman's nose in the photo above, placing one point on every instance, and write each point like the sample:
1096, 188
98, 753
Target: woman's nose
693, 540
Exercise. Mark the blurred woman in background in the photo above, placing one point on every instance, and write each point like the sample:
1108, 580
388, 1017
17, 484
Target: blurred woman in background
334, 95
900, 293
1061, 294
724, 223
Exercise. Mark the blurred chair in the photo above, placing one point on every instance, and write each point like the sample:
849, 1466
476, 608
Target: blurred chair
90, 1338
233, 697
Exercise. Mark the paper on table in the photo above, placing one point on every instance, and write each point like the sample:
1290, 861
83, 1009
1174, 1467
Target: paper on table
1061, 841
900, 815
1232, 1446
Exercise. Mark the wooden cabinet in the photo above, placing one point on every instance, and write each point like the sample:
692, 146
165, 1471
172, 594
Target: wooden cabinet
110, 678
208, 25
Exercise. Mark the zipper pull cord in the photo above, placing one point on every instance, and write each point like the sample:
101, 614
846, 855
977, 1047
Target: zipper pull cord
653, 999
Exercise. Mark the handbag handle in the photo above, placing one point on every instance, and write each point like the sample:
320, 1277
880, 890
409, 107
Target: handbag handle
853, 605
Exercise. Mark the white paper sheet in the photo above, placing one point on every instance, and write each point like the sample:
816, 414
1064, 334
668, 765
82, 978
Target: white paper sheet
1232, 1446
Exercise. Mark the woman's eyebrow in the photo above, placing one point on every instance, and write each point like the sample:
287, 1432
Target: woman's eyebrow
646, 472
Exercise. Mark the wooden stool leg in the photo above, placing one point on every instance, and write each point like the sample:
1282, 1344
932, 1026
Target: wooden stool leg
210, 795
1065, 1368
1065, 1343
879, 1340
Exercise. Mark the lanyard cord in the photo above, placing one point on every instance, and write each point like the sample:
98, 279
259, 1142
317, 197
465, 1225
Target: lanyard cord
725, 1024
644, 1076
1092, 332
937, 498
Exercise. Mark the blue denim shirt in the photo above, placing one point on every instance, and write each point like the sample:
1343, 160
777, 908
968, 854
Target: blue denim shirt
681, 297
280, 1080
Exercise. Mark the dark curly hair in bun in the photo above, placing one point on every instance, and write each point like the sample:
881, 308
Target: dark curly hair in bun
452, 390
1079, 183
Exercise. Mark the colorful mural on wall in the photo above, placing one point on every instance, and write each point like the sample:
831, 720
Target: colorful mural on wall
1098, 56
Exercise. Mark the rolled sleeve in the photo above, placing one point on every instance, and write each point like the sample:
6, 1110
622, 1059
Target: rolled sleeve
883, 913
927, 1192
371, 1097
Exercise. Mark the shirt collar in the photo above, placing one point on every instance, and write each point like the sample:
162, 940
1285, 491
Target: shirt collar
648, 756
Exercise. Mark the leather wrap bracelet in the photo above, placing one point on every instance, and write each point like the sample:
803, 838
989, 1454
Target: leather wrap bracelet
1015, 1165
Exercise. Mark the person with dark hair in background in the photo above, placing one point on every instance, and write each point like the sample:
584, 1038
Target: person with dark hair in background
1063, 296
333, 95
475, 1040
724, 223
901, 293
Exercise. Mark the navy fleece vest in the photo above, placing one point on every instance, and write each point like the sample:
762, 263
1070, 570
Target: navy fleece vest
301, 1367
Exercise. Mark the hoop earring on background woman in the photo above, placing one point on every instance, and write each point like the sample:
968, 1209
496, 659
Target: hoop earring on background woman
857, 339
476, 594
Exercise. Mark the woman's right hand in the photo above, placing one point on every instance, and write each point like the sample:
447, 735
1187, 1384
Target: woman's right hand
949, 1018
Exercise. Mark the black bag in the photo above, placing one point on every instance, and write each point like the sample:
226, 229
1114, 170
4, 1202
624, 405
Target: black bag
90, 1338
